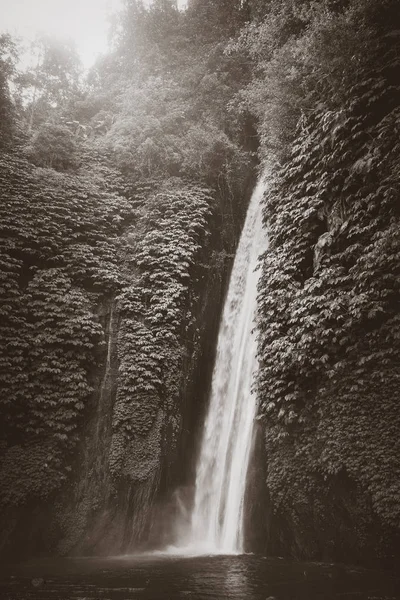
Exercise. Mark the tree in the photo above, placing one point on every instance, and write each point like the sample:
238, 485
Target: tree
53, 82
8, 59
216, 19
53, 145
148, 36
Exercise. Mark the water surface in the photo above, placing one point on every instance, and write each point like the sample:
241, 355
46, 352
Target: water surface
243, 577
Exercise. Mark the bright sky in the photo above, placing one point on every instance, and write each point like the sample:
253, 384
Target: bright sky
83, 21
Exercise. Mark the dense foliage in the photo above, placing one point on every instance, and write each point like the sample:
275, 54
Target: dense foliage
156, 312
328, 313
168, 112
8, 56
71, 252
59, 257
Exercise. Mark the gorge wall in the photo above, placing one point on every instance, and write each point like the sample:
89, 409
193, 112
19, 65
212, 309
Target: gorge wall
328, 311
111, 307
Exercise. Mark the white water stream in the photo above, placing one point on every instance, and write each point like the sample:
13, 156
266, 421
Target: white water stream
218, 514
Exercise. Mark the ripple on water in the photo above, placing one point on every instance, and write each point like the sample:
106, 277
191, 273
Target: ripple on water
169, 576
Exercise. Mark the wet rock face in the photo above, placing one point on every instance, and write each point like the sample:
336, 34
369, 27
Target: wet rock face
339, 526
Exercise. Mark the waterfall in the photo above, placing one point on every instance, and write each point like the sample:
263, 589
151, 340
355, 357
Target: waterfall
218, 513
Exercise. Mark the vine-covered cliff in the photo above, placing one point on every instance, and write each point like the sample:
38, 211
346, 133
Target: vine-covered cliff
328, 304
102, 302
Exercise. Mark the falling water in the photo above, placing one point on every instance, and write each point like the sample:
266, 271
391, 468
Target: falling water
218, 513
